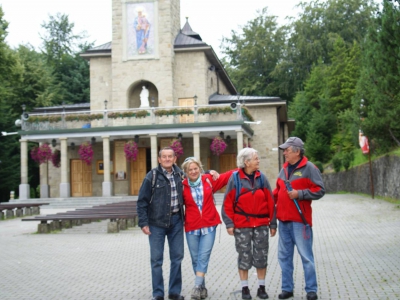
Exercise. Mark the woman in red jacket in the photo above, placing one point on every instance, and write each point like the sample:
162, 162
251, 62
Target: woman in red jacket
247, 215
201, 218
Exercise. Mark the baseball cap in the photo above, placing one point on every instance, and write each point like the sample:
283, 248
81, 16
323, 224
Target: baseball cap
292, 141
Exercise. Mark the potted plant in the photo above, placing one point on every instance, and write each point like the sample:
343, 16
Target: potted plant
131, 150
176, 145
218, 146
86, 152
41, 154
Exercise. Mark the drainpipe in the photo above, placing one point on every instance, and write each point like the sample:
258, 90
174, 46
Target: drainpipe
279, 136
217, 73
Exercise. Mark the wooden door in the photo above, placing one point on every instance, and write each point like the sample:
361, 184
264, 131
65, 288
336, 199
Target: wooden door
138, 171
226, 162
187, 102
81, 179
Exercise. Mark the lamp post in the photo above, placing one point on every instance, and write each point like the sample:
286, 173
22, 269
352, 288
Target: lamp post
180, 136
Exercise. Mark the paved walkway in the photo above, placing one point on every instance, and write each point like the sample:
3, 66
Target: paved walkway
356, 241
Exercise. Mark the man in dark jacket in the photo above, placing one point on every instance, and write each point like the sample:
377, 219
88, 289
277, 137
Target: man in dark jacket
299, 182
160, 211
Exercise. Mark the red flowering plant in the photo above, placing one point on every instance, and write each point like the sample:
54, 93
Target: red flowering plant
218, 146
86, 153
131, 150
177, 147
56, 158
41, 154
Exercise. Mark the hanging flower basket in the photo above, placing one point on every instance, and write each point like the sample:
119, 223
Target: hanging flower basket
131, 150
41, 154
86, 153
56, 158
177, 147
218, 146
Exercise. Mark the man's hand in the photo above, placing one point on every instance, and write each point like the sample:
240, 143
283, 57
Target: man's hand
272, 231
230, 230
146, 230
214, 174
294, 194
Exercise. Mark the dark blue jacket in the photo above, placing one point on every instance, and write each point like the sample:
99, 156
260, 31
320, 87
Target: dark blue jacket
156, 210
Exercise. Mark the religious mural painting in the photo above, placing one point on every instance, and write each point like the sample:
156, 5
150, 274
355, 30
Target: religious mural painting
140, 29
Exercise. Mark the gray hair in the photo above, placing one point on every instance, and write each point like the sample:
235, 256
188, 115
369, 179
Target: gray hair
165, 148
295, 149
188, 161
244, 155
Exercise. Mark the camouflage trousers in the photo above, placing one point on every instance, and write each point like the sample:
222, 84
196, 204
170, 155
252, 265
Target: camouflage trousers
252, 246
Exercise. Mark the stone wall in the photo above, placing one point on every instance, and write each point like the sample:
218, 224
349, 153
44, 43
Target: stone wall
385, 173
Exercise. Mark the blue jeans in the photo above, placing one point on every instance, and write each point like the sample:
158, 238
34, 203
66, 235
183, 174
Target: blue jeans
174, 235
291, 234
200, 247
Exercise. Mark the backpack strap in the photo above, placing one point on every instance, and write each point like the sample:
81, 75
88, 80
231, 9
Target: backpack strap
153, 183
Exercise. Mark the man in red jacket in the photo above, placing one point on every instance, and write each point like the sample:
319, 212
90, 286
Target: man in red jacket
299, 182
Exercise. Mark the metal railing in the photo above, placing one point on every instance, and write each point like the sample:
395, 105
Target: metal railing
133, 116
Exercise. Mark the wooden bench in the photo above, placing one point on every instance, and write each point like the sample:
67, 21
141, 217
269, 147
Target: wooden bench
121, 215
21, 209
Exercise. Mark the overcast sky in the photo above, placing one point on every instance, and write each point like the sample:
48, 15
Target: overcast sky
212, 19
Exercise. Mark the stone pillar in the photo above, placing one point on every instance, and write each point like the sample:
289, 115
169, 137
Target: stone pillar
24, 189
196, 144
239, 136
9, 214
65, 189
112, 227
154, 152
43, 228
19, 212
28, 211
44, 182
107, 184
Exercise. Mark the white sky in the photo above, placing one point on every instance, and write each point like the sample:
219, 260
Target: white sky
212, 19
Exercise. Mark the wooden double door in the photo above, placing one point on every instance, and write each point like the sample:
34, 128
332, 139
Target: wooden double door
81, 179
138, 171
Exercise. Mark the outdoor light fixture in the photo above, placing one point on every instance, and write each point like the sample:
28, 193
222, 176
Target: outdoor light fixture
72, 146
53, 142
136, 139
221, 135
93, 140
105, 104
195, 99
180, 136
228, 139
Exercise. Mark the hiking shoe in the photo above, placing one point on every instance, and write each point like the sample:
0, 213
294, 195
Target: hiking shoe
261, 293
246, 293
203, 292
196, 293
312, 296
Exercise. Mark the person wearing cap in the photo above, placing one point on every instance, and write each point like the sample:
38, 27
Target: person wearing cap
299, 182
201, 218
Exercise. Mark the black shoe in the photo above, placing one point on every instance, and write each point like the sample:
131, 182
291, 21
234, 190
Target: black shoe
246, 293
261, 293
157, 298
285, 295
175, 297
312, 296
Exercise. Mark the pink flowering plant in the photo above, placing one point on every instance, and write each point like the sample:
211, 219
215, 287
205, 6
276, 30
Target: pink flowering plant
177, 147
56, 158
218, 146
131, 150
41, 154
86, 153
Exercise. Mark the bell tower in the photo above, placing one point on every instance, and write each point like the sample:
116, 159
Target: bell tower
143, 38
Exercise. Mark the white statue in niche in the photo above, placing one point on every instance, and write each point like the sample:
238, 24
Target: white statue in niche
144, 97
